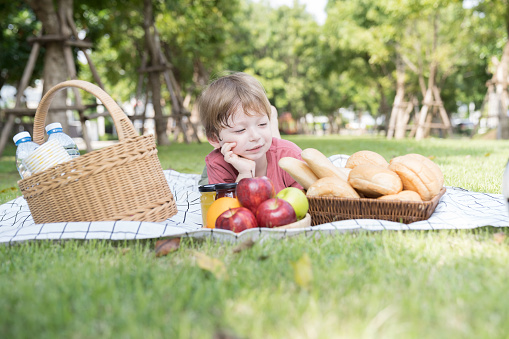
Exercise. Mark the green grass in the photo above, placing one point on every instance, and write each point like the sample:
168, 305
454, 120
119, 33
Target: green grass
476, 165
394, 284
444, 284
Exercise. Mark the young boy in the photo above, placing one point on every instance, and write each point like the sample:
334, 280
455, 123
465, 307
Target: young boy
236, 115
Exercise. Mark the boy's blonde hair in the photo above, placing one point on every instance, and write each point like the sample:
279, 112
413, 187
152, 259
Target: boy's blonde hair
221, 99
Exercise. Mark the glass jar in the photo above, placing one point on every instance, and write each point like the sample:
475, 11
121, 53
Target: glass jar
208, 196
226, 190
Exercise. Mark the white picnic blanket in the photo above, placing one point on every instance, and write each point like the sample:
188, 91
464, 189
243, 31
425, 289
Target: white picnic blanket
457, 209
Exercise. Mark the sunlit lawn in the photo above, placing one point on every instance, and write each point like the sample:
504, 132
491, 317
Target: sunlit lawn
444, 284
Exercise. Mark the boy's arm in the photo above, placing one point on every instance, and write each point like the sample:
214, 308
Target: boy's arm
274, 123
217, 170
245, 167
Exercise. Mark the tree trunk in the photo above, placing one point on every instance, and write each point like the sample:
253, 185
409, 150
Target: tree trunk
404, 117
427, 127
55, 70
398, 98
333, 126
501, 90
426, 102
384, 108
160, 121
154, 76
200, 77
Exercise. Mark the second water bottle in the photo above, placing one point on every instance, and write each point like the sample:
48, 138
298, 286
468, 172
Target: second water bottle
55, 131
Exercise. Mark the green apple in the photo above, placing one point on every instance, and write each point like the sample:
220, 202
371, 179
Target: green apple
297, 199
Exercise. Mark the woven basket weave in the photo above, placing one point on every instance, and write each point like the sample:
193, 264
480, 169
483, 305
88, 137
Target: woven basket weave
124, 181
328, 209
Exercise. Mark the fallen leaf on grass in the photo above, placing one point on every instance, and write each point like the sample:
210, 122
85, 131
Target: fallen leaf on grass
499, 237
213, 265
9, 189
303, 272
166, 246
244, 246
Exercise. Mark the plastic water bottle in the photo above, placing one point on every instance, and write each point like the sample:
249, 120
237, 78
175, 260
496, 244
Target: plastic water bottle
26, 146
54, 131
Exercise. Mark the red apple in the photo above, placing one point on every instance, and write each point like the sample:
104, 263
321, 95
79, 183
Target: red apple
251, 192
236, 219
275, 212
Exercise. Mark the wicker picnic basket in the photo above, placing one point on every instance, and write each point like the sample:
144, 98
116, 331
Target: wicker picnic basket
328, 209
124, 181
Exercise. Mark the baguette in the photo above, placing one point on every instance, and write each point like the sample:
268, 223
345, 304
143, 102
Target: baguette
298, 170
321, 165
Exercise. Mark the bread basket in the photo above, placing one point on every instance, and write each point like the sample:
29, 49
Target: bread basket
124, 181
328, 209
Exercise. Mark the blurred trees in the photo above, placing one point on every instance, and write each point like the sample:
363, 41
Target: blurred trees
283, 52
490, 42
18, 24
404, 49
59, 62
367, 54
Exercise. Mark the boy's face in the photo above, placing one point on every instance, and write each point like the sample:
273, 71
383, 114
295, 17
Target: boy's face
251, 135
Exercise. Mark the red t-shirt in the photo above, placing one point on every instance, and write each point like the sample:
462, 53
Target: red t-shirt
219, 171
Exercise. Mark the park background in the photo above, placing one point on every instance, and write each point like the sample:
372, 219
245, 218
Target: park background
367, 59
398, 68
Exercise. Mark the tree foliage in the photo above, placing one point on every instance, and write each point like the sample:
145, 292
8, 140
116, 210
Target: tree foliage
19, 23
350, 61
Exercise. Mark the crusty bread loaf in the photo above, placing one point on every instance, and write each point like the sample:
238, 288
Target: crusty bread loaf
298, 170
431, 165
416, 175
405, 195
321, 165
366, 157
374, 181
331, 186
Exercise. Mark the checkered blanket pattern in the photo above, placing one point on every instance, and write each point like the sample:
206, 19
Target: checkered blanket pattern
457, 209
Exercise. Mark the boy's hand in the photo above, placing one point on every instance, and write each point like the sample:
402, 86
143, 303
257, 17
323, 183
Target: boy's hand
245, 166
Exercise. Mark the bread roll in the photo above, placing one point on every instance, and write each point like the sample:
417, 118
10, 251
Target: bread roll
405, 195
374, 181
331, 187
298, 170
417, 176
431, 165
366, 157
321, 165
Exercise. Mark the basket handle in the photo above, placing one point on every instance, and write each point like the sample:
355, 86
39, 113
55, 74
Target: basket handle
124, 126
